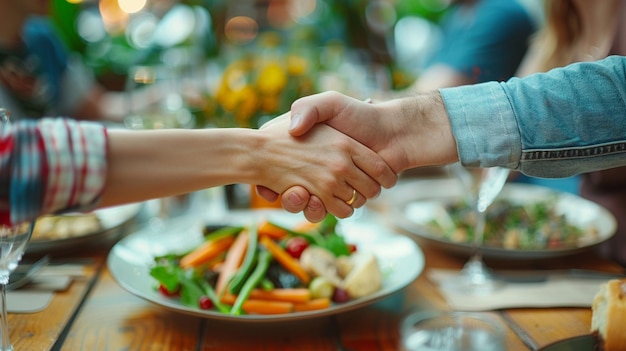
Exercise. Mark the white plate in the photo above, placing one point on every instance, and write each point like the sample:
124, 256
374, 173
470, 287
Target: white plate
131, 258
113, 222
421, 200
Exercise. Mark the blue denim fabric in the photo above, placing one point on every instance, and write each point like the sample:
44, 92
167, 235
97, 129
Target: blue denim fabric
557, 124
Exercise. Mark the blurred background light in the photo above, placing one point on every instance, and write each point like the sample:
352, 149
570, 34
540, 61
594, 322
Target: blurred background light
132, 6
241, 29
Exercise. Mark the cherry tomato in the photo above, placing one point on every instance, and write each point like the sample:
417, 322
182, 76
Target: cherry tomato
163, 290
340, 296
205, 303
296, 245
352, 248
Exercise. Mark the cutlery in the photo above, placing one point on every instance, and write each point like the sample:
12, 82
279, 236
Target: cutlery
24, 273
537, 276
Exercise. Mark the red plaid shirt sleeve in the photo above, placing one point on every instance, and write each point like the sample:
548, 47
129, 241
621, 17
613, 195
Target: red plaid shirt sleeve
50, 166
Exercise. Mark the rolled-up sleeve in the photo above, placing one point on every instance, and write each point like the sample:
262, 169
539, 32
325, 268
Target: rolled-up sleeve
564, 122
484, 125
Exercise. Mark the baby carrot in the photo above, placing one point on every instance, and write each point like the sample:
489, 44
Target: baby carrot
268, 229
295, 295
315, 304
259, 306
239, 277
263, 262
288, 262
234, 257
205, 252
306, 227
252, 306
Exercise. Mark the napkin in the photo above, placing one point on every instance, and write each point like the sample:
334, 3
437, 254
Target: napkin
556, 291
36, 295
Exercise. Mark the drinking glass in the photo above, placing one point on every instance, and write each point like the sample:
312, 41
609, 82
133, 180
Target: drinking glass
13, 240
481, 186
155, 101
451, 331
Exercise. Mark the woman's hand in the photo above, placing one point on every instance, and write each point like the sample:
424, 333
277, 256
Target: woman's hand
326, 164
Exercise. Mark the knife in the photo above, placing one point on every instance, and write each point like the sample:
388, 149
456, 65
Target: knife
537, 276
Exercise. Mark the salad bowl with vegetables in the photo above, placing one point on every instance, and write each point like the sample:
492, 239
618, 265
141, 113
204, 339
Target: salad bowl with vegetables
525, 221
265, 266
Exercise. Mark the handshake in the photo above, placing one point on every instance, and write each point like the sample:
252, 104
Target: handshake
542, 125
368, 146
330, 153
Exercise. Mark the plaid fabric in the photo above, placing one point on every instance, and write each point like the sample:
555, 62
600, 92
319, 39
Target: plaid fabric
50, 166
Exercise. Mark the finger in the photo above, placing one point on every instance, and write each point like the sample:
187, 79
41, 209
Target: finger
266, 193
376, 168
368, 173
315, 210
318, 108
295, 199
359, 201
333, 204
338, 206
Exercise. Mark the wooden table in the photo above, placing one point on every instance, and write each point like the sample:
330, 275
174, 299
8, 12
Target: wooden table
97, 314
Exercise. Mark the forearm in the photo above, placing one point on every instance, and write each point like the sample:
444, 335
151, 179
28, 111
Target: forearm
158, 163
150, 164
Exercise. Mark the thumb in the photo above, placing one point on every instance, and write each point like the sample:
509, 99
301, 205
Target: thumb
310, 110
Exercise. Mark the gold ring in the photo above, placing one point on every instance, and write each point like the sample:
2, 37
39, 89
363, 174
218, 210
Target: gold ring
352, 199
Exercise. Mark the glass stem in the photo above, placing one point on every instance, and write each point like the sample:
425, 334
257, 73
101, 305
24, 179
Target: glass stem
479, 233
5, 343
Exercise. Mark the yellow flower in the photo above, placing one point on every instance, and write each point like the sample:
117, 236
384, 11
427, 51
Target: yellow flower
247, 105
297, 65
270, 104
272, 79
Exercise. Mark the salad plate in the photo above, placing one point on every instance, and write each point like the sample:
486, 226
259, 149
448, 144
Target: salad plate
425, 202
401, 261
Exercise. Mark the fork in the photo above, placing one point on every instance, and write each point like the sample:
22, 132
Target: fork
24, 273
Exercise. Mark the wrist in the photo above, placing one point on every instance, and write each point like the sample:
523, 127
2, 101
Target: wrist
424, 135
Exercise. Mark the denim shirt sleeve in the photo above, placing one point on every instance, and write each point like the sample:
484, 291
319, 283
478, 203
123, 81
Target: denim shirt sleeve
568, 121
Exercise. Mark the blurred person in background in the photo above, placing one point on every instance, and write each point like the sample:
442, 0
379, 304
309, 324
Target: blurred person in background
38, 75
482, 40
579, 31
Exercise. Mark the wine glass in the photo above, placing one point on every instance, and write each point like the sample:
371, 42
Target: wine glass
481, 187
13, 240
155, 101
451, 331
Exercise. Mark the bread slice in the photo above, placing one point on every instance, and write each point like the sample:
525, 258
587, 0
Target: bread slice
609, 315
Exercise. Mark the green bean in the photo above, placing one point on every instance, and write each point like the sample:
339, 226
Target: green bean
243, 272
263, 263
222, 232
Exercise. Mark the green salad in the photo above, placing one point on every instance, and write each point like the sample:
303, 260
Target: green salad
528, 226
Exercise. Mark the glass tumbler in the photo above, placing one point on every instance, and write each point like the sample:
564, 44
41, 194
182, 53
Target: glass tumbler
451, 331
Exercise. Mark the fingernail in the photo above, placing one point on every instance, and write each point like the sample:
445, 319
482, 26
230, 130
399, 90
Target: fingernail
295, 199
295, 120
